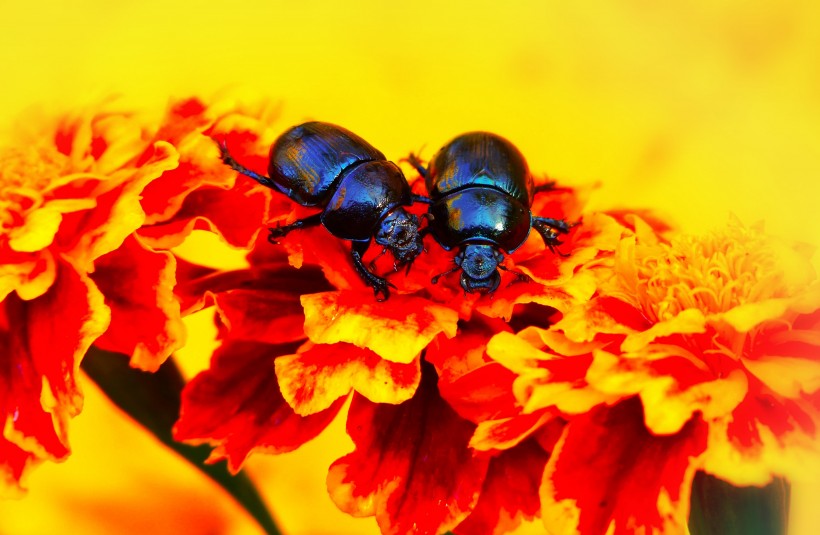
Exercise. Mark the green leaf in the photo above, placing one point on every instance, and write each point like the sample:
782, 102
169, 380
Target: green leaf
153, 400
719, 508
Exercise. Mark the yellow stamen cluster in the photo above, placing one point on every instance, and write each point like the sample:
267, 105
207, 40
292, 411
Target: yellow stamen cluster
713, 273
26, 174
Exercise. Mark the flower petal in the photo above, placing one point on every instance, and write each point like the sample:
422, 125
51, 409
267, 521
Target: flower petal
138, 284
236, 214
510, 492
396, 329
609, 475
261, 315
43, 342
87, 235
236, 406
411, 467
313, 379
765, 436
689, 321
505, 433
14, 463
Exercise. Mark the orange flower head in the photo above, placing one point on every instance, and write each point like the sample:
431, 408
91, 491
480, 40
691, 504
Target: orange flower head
717, 338
70, 198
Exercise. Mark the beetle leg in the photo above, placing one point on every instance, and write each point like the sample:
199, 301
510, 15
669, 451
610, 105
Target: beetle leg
422, 199
549, 186
558, 224
414, 160
228, 160
435, 279
279, 232
520, 276
550, 234
380, 285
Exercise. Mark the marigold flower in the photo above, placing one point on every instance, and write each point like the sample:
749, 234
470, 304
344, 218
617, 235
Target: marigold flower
699, 353
318, 338
70, 199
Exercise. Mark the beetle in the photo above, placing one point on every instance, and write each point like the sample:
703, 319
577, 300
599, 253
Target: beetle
361, 194
481, 191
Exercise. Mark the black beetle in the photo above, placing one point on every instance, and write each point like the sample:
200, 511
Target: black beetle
481, 192
362, 195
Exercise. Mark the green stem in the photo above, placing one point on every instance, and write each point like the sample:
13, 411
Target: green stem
153, 400
719, 508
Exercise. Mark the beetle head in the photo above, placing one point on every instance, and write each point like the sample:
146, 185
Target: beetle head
479, 265
399, 232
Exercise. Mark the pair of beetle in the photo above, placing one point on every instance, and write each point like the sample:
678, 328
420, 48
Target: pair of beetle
480, 191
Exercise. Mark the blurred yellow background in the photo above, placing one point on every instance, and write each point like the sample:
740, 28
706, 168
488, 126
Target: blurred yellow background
698, 109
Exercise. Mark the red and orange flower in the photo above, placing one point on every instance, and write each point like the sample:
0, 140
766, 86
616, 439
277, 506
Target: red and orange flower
90, 203
696, 354
588, 395
297, 343
71, 198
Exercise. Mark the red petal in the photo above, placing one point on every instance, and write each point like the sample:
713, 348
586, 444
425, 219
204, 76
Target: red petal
411, 468
138, 285
608, 468
236, 406
312, 380
236, 214
271, 316
43, 342
510, 492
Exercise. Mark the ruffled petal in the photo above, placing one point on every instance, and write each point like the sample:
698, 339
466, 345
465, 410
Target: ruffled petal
236, 406
236, 214
766, 435
396, 330
609, 475
87, 235
313, 379
138, 284
411, 468
14, 463
44, 341
510, 492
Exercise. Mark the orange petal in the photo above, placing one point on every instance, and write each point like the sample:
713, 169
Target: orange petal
505, 433
765, 436
396, 329
138, 284
29, 274
609, 475
411, 468
313, 379
87, 235
237, 407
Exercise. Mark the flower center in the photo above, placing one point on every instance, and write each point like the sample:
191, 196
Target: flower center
25, 175
712, 273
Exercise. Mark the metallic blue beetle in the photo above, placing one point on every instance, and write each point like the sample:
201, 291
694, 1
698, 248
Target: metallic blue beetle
361, 194
481, 192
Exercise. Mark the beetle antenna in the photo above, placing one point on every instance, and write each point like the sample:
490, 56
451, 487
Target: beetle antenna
435, 279
520, 276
